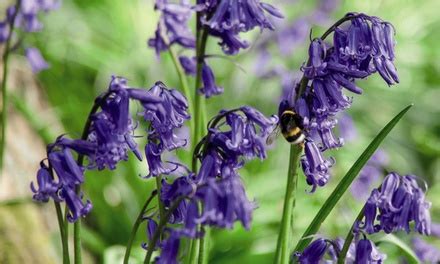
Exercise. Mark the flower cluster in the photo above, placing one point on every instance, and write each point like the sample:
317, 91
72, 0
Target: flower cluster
172, 27
395, 204
361, 251
25, 18
364, 47
227, 19
222, 19
109, 138
233, 137
70, 176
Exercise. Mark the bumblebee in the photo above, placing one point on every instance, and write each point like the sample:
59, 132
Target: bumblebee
291, 127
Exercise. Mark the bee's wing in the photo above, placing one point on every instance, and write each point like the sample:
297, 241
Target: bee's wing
273, 135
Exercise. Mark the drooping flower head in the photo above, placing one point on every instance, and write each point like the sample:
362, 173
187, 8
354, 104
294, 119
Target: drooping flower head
354, 54
398, 201
226, 19
234, 137
69, 175
112, 128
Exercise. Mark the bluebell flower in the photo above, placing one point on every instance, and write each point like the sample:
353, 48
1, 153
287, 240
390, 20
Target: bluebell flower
69, 173
426, 252
172, 27
112, 128
367, 253
155, 165
398, 202
315, 166
165, 116
239, 16
75, 204
209, 88
170, 249
47, 186
188, 64
314, 253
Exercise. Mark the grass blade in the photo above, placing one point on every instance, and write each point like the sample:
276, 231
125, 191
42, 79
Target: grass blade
410, 255
346, 181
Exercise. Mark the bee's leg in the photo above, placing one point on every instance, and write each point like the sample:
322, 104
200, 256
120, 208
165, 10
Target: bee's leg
301, 145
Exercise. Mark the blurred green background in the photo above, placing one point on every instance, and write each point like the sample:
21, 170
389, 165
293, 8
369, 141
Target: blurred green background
86, 41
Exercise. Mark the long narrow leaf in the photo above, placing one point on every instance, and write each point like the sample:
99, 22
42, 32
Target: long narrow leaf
343, 185
410, 255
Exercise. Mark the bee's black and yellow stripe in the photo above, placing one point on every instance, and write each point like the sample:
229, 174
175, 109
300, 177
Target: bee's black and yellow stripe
291, 126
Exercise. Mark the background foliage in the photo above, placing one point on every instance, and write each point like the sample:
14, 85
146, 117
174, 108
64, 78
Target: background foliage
88, 40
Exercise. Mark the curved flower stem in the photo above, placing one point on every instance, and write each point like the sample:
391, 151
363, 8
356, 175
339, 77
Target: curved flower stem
160, 227
3, 117
349, 238
283, 244
184, 84
136, 225
77, 225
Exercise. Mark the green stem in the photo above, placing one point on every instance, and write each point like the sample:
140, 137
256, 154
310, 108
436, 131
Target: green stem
77, 236
349, 238
3, 117
184, 84
160, 227
204, 246
136, 225
64, 238
283, 244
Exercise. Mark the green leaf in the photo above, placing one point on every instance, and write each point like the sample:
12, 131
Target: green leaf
346, 181
411, 257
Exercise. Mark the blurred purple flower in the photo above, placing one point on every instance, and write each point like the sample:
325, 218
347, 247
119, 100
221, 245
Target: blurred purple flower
26, 19
369, 174
398, 202
426, 252
209, 88
172, 27
188, 64
366, 253
36, 60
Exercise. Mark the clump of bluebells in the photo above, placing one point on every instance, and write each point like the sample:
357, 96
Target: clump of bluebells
398, 202
193, 199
